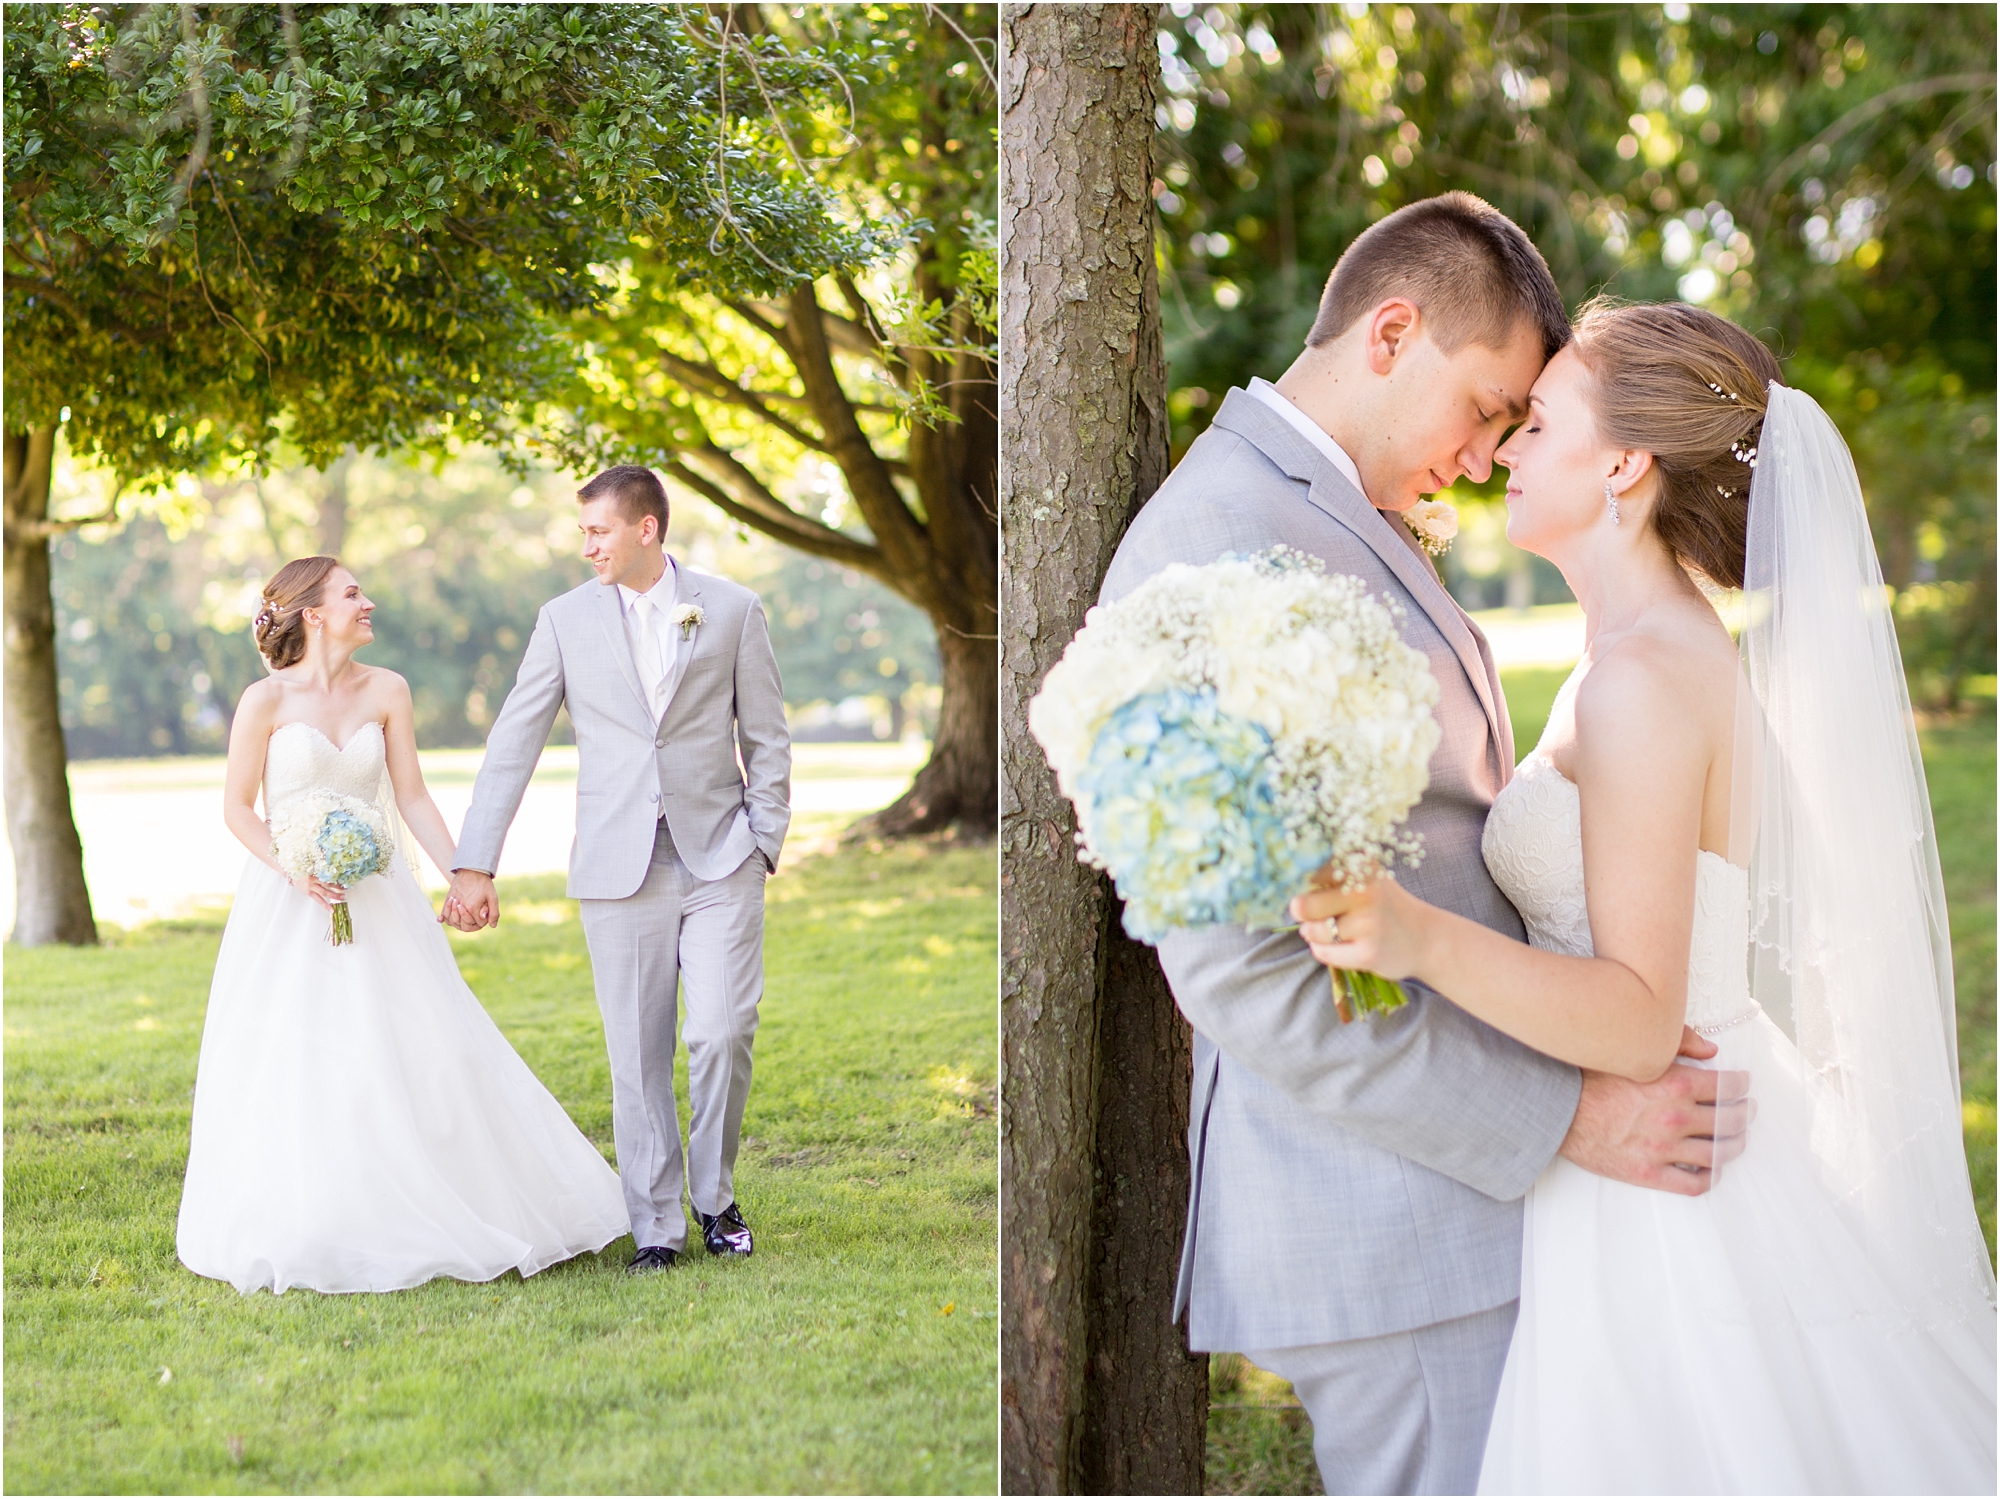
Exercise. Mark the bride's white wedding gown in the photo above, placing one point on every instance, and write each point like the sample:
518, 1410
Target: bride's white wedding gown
360, 1124
1739, 1342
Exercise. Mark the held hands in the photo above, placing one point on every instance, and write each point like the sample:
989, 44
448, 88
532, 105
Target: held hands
1375, 929
471, 903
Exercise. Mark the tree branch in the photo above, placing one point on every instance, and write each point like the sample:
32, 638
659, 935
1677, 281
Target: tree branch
770, 323
849, 336
40, 529
780, 523
720, 387
870, 480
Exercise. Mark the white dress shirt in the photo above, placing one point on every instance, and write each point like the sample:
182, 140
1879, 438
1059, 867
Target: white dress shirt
661, 596
1313, 432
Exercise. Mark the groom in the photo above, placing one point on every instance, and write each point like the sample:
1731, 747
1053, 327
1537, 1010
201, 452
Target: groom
1354, 1215
668, 675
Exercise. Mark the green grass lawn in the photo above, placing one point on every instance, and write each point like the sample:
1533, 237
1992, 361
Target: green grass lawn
856, 1351
1257, 1445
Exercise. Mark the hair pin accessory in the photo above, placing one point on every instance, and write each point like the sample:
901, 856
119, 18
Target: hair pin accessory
1743, 452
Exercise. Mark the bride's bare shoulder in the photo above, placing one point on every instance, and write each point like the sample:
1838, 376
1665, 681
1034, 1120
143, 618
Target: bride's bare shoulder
261, 697
380, 682
1676, 675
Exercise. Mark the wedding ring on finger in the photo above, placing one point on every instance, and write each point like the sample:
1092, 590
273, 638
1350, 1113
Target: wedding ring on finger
1332, 924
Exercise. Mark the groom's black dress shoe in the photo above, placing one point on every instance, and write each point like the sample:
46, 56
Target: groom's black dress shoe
652, 1258
725, 1232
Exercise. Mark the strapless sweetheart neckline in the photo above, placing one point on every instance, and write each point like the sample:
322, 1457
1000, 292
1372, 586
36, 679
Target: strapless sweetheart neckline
338, 749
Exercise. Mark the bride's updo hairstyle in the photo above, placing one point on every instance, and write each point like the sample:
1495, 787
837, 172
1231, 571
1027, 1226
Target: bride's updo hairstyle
1690, 388
280, 623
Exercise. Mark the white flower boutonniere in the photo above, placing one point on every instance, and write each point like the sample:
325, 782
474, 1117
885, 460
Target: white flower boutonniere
1434, 524
687, 616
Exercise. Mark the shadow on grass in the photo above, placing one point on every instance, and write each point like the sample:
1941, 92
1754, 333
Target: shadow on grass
856, 1351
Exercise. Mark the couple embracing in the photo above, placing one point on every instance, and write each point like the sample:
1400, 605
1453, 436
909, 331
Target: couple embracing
360, 1124
1656, 1184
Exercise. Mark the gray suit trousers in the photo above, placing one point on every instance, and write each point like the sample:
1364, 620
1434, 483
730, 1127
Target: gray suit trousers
709, 934
1405, 1413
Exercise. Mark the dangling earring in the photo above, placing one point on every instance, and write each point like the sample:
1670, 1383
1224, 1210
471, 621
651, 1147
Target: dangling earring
1611, 500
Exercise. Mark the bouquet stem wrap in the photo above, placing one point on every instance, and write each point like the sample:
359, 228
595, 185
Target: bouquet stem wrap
1233, 733
338, 840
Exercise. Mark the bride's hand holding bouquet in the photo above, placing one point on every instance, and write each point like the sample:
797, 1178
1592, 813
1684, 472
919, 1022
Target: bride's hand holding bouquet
1375, 928
325, 843
1233, 733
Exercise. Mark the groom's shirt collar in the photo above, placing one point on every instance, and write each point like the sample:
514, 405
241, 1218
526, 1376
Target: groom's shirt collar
1311, 430
661, 593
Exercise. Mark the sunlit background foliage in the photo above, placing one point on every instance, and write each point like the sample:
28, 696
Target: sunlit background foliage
1823, 174
153, 617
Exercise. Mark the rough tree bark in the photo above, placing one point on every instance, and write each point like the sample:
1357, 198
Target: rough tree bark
51, 902
1098, 1391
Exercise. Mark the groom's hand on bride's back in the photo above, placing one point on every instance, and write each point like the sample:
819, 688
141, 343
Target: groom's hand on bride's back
471, 902
1669, 1134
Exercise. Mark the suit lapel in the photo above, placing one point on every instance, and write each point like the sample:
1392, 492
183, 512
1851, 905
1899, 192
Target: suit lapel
687, 590
1330, 491
611, 614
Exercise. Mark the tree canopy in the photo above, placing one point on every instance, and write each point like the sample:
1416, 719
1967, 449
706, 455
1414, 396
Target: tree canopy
1822, 174
342, 224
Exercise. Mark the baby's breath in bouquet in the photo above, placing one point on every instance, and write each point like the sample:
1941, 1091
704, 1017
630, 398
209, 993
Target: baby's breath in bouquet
336, 839
1232, 733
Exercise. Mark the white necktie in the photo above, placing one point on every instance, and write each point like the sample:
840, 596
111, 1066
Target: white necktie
652, 675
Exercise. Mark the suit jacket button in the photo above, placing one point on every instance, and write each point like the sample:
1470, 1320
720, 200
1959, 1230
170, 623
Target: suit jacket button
661, 743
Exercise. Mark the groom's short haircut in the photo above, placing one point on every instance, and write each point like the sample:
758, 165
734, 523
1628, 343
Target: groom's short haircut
1468, 268
637, 490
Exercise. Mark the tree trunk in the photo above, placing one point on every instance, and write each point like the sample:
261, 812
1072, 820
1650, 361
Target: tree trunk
1098, 1391
943, 562
955, 788
333, 504
1145, 1427
51, 902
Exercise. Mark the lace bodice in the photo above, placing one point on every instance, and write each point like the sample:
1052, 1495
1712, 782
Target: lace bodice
299, 758
1533, 845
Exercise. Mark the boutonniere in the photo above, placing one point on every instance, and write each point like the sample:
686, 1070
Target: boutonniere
687, 616
1434, 524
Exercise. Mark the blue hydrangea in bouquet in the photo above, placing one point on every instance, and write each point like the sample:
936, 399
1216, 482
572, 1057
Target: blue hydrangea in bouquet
338, 840
1233, 733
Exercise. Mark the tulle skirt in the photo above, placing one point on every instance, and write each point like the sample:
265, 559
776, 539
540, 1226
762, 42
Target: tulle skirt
360, 1124
1736, 1343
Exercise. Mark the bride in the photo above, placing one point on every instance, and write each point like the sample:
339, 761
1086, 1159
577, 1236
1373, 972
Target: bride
1738, 838
360, 1124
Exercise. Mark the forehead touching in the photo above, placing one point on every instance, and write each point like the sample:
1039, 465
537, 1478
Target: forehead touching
1562, 379
1501, 379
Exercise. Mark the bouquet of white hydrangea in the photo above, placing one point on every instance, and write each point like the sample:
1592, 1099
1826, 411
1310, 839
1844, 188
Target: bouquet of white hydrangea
337, 839
1232, 732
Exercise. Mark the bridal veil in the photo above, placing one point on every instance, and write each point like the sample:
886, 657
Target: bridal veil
1850, 947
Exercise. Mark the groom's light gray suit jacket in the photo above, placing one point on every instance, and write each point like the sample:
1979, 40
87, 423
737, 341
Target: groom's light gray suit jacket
725, 693
1348, 1180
